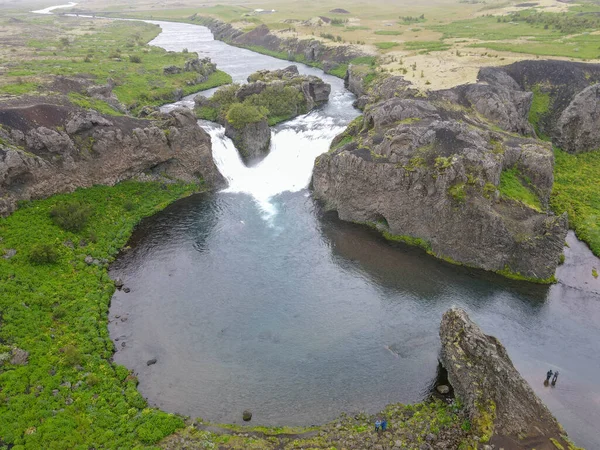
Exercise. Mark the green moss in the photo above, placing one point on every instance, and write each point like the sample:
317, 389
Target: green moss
506, 272
576, 191
58, 313
458, 192
415, 242
345, 140
86, 102
19, 88
540, 106
483, 423
512, 186
595, 272
339, 71
557, 444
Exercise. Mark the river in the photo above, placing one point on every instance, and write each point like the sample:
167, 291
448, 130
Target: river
252, 298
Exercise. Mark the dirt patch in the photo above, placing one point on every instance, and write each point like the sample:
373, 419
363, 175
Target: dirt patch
26, 118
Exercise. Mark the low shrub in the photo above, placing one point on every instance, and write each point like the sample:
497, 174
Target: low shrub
43, 254
71, 215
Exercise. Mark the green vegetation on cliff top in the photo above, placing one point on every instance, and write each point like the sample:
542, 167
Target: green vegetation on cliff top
276, 103
54, 306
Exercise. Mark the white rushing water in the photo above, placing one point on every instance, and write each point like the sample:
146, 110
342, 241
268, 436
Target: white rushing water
52, 8
287, 168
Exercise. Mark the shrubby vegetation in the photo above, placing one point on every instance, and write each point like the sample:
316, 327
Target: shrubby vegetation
276, 103
54, 306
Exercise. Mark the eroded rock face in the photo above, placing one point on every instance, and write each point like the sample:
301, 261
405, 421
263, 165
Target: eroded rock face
96, 149
501, 405
429, 168
252, 141
578, 127
568, 92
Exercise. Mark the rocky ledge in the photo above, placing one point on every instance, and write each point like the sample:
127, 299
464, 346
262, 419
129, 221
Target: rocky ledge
502, 407
49, 148
269, 97
567, 99
453, 171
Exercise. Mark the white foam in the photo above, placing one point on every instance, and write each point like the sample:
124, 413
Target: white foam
287, 167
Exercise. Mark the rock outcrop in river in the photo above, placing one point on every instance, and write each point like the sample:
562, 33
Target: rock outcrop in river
567, 106
246, 111
48, 148
502, 407
448, 171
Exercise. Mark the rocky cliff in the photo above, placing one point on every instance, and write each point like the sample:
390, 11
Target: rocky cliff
309, 51
269, 97
449, 171
567, 106
502, 407
47, 149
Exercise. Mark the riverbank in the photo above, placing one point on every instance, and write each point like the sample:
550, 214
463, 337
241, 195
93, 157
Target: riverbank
63, 389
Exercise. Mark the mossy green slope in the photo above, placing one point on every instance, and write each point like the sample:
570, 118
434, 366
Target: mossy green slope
577, 191
70, 395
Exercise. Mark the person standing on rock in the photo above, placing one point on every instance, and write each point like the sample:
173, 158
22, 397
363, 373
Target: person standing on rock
383, 424
554, 378
548, 376
377, 425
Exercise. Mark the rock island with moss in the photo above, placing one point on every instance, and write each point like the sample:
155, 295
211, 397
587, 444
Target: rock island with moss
246, 111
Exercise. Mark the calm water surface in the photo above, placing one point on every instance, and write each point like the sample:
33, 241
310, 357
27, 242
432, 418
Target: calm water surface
252, 298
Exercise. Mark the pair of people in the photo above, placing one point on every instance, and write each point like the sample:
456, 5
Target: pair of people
552, 375
380, 423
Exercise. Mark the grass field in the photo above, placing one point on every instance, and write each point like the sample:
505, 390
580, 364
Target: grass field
98, 50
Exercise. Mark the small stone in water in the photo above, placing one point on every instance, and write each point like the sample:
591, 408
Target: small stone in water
443, 389
247, 416
151, 361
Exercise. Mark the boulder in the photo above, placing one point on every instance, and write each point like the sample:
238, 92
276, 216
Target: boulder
252, 141
578, 127
501, 405
443, 389
171, 70
19, 357
84, 121
247, 415
151, 362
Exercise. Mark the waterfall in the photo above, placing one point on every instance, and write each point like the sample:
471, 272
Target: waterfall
287, 167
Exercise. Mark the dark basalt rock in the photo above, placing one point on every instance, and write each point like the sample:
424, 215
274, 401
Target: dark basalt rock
428, 167
572, 118
38, 159
247, 415
502, 407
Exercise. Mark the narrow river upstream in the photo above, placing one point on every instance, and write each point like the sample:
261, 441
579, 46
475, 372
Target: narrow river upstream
251, 298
